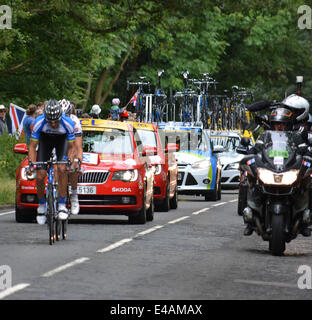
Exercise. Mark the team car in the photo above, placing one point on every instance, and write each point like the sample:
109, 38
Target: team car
199, 170
116, 179
166, 168
229, 158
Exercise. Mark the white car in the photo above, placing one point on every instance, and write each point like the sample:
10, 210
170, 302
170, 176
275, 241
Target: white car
229, 158
199, 170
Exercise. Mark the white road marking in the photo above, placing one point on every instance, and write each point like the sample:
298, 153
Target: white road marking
64, 267
267, 283
148, 231
200, 211
219, 204
115, 245
178, 220
16, 288
6, 213
234, 200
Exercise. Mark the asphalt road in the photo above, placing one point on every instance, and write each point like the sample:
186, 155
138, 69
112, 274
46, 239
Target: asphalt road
197, 252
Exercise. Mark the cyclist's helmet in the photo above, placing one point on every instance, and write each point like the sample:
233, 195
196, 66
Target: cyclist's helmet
299, 104
53, 110
66, 106
282, 115
116, 102
123, 115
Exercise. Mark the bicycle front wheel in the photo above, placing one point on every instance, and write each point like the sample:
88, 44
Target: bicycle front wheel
51, 214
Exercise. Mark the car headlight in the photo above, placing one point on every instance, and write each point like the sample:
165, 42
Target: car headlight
286, 178
157, 169
30, 177
125, 175
232, 166
203, 164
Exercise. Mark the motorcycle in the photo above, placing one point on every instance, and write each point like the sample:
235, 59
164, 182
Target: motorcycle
277, 176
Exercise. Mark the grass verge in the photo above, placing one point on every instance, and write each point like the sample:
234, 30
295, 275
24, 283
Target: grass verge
7, 191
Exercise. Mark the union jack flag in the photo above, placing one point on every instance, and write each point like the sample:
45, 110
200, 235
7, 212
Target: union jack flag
134, 98
17, 115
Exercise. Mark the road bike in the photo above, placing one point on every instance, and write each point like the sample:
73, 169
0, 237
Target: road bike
55, 226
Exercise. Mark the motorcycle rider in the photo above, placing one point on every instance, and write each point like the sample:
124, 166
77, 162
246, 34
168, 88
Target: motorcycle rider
291, 114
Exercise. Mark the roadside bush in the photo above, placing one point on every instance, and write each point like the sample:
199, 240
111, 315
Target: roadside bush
9, 160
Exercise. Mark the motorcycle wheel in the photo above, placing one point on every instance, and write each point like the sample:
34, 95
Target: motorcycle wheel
277, 242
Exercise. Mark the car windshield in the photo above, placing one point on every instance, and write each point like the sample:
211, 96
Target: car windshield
229, 143
188, 139
148, 137
113, 141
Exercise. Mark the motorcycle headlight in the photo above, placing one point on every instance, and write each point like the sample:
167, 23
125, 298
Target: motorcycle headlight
31, 177
157, 169
232, 166
125, 175
286, 178
203, 164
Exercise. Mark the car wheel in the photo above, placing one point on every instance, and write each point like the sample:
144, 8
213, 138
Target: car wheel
150, 211
165, 205
23, 217
140, 216
174, 200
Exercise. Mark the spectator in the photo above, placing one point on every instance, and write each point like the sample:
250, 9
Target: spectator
40, 106
95, 111
29, 121
114, 110
3, 124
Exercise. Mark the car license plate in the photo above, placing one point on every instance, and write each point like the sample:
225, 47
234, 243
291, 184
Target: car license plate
179, 176
86, 189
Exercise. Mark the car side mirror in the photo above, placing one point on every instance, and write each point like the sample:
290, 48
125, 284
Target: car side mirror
172, 147
149, 151
20, 148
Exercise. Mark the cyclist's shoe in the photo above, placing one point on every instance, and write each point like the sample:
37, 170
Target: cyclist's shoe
74, 205
41, 219
41, 214
62, 212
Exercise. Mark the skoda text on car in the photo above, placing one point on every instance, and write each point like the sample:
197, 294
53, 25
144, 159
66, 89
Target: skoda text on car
166, 169
229, 140
199, 170
116, 178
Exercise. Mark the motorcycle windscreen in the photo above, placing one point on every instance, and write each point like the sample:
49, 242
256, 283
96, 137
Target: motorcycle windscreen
279, 148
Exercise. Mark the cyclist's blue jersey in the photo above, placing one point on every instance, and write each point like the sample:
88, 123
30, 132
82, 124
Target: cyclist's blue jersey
66, 127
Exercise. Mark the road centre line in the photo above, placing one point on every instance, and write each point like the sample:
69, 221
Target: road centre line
178, 220
115, 245
267, 283
201, 211
11, 290
219, 204
64, 267
147, 231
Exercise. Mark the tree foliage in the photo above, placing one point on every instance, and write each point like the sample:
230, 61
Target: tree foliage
85, 50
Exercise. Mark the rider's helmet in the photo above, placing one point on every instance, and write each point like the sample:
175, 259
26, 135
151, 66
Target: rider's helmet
282, 116
52, 110
299, 104
66, 106
123, 115
116, 102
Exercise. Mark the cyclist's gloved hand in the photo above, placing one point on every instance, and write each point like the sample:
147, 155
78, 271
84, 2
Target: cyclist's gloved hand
30, 169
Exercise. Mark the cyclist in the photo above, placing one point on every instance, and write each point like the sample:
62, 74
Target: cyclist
115, 110
51, 130
69, 110
95, 111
